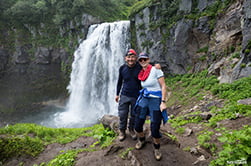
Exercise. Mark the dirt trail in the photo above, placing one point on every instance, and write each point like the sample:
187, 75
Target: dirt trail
111, 156
172, 155
114, 155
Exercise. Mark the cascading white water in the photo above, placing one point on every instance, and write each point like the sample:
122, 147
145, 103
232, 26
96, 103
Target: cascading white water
94, 75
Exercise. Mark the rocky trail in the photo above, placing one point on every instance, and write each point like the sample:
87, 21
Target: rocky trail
118, 154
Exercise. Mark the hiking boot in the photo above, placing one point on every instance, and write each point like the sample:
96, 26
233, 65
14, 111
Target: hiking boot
157, 154
133, 134
140, 144
122, 135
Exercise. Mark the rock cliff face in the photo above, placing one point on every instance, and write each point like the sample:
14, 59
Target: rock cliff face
28, 53
197, 41
32, 70
4, 56
184, 36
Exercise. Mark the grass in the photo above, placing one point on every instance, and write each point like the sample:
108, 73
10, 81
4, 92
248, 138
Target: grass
189, 89
30, 139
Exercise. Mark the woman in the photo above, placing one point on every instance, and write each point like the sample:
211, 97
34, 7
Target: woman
151, 102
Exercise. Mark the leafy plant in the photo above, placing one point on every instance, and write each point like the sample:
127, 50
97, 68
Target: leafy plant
204, 138
180, 130
19, 145
105, 136
66, 158
239, 89
181, 121
203, 49
173, 137
236, 148
236, 55
124, 154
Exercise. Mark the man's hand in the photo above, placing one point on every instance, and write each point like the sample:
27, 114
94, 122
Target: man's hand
117, 98
157, 66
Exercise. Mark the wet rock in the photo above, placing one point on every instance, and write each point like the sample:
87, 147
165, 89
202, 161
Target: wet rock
200, 159
4, 56
43, 55
208, 106
113, 149
188, 132
110, 121
245, 101
194, 151
206, 115
21, 55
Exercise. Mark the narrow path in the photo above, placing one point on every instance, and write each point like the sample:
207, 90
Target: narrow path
172, 155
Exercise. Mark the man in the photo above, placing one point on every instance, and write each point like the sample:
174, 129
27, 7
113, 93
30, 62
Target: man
128, 87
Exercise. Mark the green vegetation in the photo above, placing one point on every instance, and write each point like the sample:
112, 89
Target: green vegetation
173, 137
58, 12
30, 139
204, 50
190, 88
104, 136
236, 55
180, 130
204, 138
67, 158
53, 23
240, 89
211, 11
124, 154
236, 147
248, 47
181, 121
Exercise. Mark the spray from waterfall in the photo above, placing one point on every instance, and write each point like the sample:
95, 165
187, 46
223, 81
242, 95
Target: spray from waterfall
94, 75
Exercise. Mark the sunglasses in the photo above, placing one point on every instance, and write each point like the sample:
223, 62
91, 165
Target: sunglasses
143, 59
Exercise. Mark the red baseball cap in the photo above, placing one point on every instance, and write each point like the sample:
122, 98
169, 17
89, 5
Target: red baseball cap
131, 51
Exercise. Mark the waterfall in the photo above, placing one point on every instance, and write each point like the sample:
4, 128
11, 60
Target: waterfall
94, 75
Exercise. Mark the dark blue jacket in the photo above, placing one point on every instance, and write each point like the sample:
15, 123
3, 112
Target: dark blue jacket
128, 83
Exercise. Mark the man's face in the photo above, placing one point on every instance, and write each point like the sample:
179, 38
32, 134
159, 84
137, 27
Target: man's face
131, 60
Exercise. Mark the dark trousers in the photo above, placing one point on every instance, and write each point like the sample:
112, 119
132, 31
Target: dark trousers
149, 106
126, 105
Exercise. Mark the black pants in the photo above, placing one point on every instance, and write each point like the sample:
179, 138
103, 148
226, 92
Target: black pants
126, 104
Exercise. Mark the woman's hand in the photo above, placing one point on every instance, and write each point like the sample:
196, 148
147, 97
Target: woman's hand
162, 106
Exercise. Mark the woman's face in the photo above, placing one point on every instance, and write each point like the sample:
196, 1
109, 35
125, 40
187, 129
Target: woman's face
144, 62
